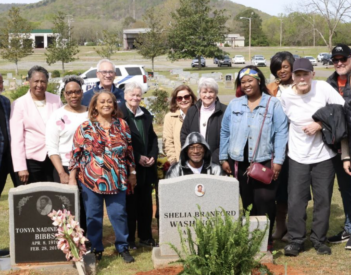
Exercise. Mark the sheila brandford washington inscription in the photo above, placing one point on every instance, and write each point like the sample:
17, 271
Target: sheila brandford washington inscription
32, 234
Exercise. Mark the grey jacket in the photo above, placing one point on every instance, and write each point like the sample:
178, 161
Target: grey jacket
181, 168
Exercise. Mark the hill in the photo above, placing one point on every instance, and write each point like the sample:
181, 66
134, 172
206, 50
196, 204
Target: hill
91, 16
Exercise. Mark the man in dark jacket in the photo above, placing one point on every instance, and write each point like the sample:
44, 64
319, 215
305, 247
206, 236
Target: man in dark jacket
195, 158
340, 81
5, 152
106, 72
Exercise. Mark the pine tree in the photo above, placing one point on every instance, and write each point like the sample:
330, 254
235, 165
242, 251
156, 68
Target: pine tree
196, 30
63, 48
15, 42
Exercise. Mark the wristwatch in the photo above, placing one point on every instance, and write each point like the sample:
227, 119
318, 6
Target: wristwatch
222, 161
133, 172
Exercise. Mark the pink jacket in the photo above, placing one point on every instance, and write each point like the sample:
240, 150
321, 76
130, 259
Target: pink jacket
28, 129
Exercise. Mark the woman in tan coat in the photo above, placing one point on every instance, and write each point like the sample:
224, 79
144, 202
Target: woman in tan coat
181, 100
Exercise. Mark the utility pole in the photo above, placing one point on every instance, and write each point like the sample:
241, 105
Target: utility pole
134, 10
249, 18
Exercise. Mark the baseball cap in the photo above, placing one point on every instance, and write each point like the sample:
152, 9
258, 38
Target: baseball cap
341, 49
302, 64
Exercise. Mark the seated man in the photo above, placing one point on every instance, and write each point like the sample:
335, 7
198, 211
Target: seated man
195, 158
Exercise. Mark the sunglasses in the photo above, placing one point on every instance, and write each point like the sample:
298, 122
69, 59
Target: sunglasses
342, 60
186, 97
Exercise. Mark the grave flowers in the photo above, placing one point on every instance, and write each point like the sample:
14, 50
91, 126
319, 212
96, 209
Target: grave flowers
70, 237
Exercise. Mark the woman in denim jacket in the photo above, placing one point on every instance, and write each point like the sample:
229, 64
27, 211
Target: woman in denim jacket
241, 126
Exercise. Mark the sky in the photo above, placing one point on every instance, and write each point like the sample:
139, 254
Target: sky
272, 7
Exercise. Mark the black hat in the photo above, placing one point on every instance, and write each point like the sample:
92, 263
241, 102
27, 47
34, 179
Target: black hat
341, 49
302, 64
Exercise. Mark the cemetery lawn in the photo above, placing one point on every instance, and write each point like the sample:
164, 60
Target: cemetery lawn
111, 264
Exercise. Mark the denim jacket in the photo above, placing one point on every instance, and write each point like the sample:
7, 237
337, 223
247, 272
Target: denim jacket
240, 125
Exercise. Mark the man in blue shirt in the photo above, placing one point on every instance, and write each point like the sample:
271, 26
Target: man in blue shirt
106, 72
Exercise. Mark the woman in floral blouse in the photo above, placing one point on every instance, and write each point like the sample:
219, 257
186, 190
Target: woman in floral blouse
103, 162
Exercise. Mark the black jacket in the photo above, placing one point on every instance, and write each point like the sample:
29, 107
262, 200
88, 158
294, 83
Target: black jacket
192, 124
145, 175
333, 81
334, 128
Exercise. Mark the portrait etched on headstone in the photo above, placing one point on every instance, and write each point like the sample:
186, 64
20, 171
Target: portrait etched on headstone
44, 205
200, 190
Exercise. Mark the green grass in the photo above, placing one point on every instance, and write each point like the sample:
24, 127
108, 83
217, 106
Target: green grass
337, 263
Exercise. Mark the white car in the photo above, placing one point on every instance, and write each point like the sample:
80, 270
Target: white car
259, 61
124, 74
312, 60
238, 59
321, 56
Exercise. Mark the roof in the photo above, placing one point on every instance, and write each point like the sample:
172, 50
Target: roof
141, 30
42, 31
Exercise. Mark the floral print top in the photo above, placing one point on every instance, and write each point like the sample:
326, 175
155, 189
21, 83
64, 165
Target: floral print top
103, 156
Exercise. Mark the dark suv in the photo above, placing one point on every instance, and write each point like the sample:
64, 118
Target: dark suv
224, 61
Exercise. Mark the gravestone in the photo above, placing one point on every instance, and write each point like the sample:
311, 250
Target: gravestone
32, 234
9, 76
178, 206
229, 81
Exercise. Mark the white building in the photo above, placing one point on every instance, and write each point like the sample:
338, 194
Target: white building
41, 38
234, 40
129, 37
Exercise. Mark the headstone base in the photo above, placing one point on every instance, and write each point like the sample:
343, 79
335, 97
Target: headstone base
160, 261
64, 268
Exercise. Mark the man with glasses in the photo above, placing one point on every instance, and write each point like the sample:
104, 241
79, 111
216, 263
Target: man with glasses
106, 72
340, 81
195, 158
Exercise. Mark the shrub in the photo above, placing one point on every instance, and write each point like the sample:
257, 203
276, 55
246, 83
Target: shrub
159, 105
55, 74
52, 87
222, 246
226, 44
72, 73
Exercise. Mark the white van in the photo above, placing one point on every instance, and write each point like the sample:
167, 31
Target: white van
124, 74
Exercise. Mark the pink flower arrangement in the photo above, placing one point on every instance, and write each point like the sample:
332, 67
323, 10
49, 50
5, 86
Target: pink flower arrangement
70, 236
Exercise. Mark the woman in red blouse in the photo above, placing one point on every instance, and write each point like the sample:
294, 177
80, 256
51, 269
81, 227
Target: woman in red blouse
103, 162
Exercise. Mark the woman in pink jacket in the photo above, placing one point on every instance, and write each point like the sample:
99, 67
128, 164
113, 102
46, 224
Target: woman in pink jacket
29, 115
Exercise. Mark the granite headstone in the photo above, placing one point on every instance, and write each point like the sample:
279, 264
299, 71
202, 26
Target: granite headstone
180, 196
32, 235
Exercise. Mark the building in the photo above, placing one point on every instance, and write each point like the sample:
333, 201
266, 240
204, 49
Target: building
129, 37
41, 38
234, 40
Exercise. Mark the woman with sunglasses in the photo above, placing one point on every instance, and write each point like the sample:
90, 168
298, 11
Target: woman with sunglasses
182, 99
63, 124
205, 116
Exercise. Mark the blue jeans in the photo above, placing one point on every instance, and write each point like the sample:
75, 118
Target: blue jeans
344, 181
116, 210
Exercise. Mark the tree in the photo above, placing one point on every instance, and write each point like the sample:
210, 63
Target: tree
15, 42
63, 48
109, 44
332, 12
258, 38
153, 43
196, 30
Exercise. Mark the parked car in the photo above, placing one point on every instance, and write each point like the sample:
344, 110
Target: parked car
195, 62
238, 59
327, 59
215, 60
256, 56
312, 60
224, 61
124, 74
321, 56
259, 61
296, 56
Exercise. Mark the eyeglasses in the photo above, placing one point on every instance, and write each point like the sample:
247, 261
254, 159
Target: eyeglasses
73, 92
107, 72
180, 98
196, 148
342, 60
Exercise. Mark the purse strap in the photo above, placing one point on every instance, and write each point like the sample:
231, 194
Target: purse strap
259, 136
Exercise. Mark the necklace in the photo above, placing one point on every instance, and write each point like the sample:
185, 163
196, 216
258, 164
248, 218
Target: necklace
40, 103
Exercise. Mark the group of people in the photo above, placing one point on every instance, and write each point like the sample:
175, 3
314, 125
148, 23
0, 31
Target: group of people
295, 126
103, 141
